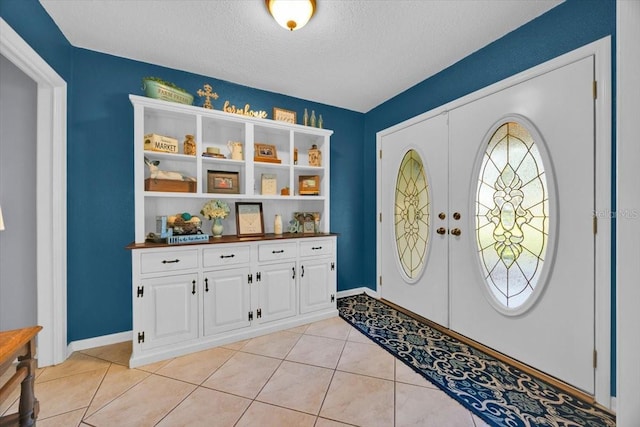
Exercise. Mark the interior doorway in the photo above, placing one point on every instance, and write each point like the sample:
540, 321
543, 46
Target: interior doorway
51, 189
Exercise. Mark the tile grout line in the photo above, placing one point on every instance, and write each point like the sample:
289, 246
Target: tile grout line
233, 352
197, 386
106, 372
395, 392
344, 344
149, 374
266, 382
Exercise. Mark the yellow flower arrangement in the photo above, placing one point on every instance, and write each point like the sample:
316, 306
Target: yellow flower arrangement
215, 209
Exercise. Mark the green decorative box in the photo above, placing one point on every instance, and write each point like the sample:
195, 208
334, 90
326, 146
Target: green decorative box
158, 90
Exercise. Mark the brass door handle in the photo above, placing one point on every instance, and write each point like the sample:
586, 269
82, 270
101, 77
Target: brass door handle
441, 230
456, 232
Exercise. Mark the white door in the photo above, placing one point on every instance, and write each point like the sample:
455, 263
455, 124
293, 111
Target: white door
226, 301
527, 289
414, 220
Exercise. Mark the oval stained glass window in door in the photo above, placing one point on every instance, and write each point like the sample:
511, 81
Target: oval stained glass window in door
512, 214
411, 214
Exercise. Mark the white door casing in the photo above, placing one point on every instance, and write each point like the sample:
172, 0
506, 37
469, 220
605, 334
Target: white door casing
426, 293
51, 193
627, 211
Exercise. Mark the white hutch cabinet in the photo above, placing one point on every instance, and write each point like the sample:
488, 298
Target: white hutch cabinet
194, 296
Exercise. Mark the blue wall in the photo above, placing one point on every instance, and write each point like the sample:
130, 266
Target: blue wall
100, 194
36, 27
564, 28
100, 170
100, 167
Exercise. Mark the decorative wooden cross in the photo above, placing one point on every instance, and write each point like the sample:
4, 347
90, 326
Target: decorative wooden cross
208, 94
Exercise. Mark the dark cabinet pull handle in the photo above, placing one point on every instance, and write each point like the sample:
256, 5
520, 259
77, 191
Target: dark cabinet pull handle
293, 269
193, 289
302, 274
278, 252
170, 262
315, 248
227, 256
206, 284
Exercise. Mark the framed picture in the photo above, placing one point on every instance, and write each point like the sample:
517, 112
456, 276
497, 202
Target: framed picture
309, 185
269, 184
249, 219
307, 222
222, 182
265, 151
284, 115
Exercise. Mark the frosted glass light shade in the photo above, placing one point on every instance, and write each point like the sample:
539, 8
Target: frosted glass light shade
1, 220
291, 14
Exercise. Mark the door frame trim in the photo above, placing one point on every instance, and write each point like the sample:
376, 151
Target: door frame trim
601, 50
51, 193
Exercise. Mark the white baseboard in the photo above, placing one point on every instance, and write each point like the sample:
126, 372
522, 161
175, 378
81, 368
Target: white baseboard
356, 291
98, 341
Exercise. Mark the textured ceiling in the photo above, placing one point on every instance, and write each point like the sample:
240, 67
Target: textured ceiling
353, 54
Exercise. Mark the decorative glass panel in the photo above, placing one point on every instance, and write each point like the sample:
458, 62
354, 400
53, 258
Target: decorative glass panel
411, 214
512, 214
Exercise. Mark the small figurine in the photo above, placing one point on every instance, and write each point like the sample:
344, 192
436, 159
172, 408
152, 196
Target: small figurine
156, 173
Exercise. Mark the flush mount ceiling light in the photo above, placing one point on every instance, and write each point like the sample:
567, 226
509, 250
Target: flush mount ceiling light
291, 14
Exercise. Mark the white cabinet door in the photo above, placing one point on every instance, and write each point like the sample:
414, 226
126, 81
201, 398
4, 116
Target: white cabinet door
168, 309
227, 300
276, 291
317, 284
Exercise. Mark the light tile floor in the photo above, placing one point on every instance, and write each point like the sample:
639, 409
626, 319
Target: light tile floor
325, 374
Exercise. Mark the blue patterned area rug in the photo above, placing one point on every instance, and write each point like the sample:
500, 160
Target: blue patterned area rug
498, 393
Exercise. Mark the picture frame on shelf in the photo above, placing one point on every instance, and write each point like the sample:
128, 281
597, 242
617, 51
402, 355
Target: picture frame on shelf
309, 185
282, 115
223, 182
269, 184
265, 153
308, 222
249, 219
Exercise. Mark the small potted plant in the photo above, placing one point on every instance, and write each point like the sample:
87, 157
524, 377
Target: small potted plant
217, 210
155, 87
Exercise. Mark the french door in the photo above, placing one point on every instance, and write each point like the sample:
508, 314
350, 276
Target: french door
414, 209
512, 175
555, 333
